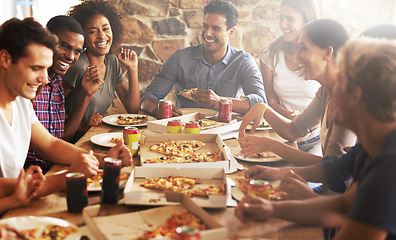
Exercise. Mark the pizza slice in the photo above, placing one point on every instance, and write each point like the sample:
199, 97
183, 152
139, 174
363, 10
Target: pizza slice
171, 183
206, 191
264, 155
57, 232
188, 93
177, 148
206, 122
193, 158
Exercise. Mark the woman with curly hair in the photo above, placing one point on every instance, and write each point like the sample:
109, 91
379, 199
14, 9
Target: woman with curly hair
90, 84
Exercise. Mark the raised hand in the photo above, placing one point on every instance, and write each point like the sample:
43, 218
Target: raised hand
28, 184
207, 98
91, 81
128, 58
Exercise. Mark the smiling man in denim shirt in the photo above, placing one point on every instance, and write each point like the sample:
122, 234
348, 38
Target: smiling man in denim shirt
214, 67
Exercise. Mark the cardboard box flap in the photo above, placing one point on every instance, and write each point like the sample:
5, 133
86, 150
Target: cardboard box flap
133, 225
135, 194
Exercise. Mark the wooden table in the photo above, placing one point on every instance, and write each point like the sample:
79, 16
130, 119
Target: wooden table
55, 204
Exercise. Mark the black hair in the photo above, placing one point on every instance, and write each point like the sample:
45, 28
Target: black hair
16, 35
225, 8
327, 32
381, 31
60, 23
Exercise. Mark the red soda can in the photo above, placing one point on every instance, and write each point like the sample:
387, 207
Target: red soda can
225, 110
111, 180
188, 233
259, 188
174, 126
76, 192
192, 127
164, 109
131, 139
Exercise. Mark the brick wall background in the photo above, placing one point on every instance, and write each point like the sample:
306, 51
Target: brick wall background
157, 28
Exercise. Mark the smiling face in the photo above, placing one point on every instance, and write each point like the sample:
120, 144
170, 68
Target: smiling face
215, 33
312, 58
24, 77
98, 35
70, 47
291, 23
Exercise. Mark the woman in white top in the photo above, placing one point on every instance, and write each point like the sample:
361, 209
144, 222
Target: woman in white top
287, 91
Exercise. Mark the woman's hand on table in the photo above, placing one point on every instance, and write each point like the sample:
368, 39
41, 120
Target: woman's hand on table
87, 164
254, 144
253, 208
266, 173
254, 115
295, 187
120, 151
95, 119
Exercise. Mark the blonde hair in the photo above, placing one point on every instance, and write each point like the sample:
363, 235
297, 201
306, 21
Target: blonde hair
370, 64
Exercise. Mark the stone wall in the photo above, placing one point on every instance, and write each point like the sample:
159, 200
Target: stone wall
157, 28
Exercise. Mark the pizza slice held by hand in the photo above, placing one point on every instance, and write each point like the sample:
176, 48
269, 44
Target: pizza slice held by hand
188, 93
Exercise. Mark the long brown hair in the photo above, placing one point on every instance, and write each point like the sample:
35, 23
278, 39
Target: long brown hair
309, 11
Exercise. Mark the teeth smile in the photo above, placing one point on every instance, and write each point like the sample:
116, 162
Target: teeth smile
210, 40
63, 64
102, 44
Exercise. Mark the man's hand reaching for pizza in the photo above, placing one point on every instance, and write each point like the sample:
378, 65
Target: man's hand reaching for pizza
207, 98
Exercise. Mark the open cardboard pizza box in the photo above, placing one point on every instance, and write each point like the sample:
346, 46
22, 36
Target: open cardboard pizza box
132, 225
134, 194
213, 143
219, 128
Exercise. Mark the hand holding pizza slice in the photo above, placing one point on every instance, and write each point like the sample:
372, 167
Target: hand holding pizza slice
188, 93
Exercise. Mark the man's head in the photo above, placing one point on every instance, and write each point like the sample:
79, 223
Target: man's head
367, 74
220, 18
26, 51
71, 41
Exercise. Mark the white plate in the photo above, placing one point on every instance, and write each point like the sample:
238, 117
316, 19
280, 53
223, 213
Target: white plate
104, 139
112, 120
31, 222
238, 155
208, 112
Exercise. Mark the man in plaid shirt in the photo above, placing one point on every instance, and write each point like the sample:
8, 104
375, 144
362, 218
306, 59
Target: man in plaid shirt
49, 103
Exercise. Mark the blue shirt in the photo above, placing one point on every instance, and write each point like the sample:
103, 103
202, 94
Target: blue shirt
338, 171
237, 72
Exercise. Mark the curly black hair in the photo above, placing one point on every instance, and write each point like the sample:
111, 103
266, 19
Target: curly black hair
87, 9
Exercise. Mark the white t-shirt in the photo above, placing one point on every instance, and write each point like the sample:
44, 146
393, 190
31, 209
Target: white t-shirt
294, 92
15, 139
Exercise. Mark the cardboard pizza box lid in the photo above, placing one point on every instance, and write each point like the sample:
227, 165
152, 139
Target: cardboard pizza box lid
134, 224
160, 126
213, 142
134, 194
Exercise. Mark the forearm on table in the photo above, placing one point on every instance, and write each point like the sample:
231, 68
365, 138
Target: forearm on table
294, 155
53, 183
7, 186
150, 106
312, 173
326, 211
7, 203
240, 105
280, 124
73, 121
62, 152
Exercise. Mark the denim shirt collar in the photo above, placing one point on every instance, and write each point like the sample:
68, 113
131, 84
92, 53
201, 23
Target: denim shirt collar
199, 54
